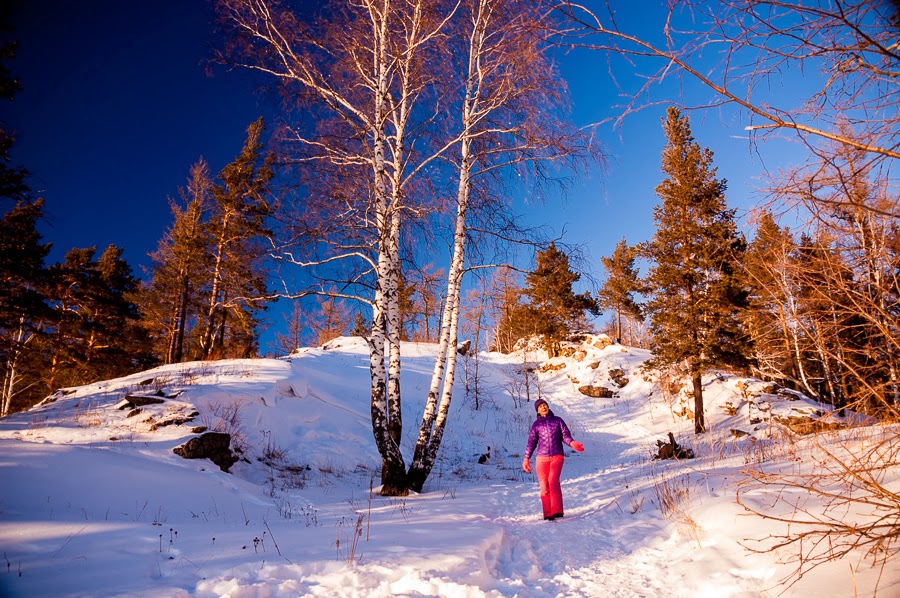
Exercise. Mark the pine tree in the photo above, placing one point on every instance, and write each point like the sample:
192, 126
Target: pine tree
23, 306
171, 298
504, 292
772, 316
555, 309
360, 326
622, 282
236, 227
696, 297
93, 333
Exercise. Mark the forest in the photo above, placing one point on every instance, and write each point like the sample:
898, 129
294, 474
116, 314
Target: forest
382, 208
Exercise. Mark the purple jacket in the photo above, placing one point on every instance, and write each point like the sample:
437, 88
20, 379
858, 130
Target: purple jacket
548, 434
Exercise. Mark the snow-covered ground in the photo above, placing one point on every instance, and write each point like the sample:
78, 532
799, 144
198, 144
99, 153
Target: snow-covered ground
93, 501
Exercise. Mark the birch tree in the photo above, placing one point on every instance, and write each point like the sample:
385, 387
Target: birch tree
361, 71
509, 116
374, 75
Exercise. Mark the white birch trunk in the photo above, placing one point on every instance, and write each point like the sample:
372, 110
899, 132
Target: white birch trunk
209, 331
9, 379
435, 414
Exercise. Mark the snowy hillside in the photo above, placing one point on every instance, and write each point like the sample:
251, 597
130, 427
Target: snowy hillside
95, 501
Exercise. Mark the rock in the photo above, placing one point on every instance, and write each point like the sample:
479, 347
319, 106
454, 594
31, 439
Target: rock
602, 342
619, 377
174, 419
594, 365
597, 392
215, 446
553, 367
132, 401
464, 348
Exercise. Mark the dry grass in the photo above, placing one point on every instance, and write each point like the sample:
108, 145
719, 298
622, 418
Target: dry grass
673, 496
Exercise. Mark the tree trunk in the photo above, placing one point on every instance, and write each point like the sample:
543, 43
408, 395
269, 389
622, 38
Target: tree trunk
699, 421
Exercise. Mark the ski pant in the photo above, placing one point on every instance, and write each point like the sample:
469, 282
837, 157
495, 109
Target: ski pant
548, 471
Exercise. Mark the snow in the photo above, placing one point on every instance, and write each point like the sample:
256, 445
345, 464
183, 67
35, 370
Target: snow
94, 502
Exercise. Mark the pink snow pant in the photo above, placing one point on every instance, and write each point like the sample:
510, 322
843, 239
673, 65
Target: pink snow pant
548, 470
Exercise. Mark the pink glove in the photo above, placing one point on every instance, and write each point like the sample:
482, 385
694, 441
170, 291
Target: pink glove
526, 465
577, 446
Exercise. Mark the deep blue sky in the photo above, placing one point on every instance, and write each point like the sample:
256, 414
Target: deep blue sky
116, 105
114, 109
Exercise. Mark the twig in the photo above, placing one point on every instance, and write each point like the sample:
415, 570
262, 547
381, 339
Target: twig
69, 539
278, 550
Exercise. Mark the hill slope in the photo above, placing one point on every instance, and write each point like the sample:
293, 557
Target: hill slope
95, 502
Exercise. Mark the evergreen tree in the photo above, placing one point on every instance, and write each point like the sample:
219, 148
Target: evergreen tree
554, 310
773, 317
93, 333
360, 326
504, 292
13, 185
23, 306
622, 282
236, 227
696, 296
171, 299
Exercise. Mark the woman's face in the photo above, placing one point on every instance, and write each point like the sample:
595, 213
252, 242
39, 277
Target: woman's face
543, 410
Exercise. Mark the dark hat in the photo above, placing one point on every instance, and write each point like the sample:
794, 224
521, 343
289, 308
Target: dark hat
540, 402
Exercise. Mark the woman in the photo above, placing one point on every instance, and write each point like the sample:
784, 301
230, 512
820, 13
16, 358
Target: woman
548, 433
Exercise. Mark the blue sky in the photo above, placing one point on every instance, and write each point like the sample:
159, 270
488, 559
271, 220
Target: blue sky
116, 105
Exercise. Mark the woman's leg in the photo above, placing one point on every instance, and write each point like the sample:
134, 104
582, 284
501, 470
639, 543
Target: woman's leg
543, 467
554, 467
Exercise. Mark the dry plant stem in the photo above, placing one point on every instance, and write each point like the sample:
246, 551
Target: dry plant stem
858, 513
277, 549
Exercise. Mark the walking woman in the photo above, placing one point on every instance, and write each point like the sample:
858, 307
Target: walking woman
548, 433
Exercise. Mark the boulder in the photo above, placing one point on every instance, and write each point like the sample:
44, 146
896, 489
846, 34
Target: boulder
215, 446
132, 401
619, 377
597, 392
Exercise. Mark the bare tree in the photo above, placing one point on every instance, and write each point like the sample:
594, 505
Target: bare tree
375, 75
289, 342
330, 320
361, 71
855, 508
739, 50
